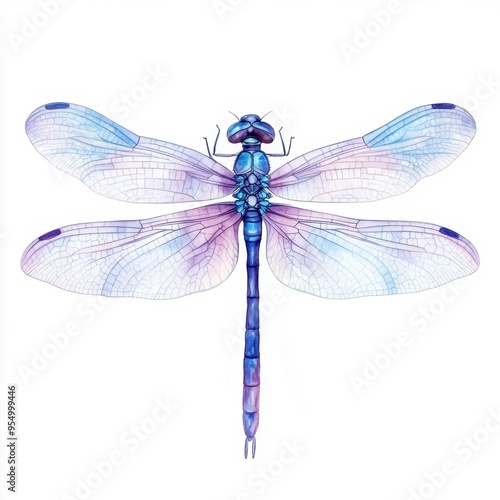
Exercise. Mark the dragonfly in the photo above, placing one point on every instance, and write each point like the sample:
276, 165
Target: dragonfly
174, 255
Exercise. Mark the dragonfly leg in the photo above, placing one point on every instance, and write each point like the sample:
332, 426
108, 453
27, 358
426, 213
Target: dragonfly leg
285, 152
214, 152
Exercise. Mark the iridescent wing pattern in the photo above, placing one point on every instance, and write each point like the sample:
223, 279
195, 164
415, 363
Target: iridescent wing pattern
339, 257
119, 164
191, 251
383, 163
160, 258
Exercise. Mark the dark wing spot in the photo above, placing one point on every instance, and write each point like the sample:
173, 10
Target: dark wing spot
443, 105
449, 232
50, 235
57, 105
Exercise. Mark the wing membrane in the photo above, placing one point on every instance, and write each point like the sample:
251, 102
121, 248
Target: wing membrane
383, 163
160, 258
339, 258
119, 164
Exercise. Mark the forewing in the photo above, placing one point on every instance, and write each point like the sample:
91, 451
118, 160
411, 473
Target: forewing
339, 258
383, 163
160, 258
119, 164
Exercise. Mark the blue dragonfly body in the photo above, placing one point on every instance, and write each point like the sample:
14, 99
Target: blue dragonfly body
170, 256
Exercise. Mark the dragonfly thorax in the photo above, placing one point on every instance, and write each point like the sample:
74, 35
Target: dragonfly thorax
250, 173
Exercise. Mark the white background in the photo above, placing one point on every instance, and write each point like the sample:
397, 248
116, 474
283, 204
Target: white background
252, 56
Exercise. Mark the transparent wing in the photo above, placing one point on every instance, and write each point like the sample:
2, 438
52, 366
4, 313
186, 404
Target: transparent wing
338, 258
383, 163
160, 258
119, 164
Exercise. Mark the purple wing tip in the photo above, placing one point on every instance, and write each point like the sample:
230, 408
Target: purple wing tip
443, 105
449, 232
453, 234
30, 252
57, 105
50, 235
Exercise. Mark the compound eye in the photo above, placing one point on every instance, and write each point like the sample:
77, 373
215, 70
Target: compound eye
238, 132
264, 132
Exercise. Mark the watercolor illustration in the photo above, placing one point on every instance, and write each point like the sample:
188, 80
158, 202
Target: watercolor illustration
174, 255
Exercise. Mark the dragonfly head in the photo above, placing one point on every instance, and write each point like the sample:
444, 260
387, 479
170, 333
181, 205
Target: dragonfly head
250, 129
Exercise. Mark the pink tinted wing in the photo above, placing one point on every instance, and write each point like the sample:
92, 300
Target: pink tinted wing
160, 258
119, 164
383, 163
338, 257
